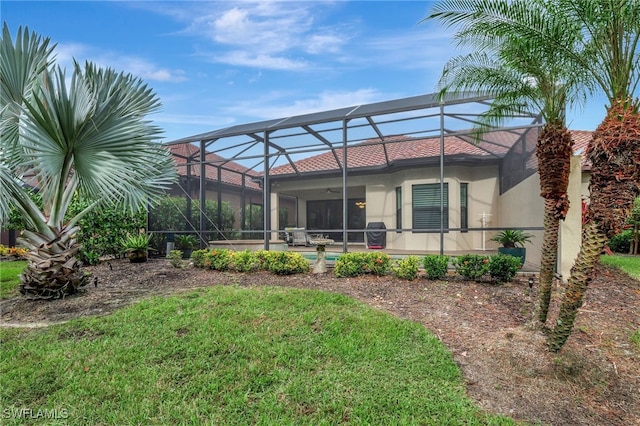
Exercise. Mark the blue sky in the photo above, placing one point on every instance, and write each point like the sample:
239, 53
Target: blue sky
216, 64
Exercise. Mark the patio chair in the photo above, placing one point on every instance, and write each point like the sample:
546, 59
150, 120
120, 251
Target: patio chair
299, 237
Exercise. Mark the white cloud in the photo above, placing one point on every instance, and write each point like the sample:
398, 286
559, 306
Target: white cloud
146, 70
193, 119
275, 35
324, 43
268, 108
244, 58
137, 66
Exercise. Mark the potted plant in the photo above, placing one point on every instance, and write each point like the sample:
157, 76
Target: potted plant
513, 241
136, 247
185, 243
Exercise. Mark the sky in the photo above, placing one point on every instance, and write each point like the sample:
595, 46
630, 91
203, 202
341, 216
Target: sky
214, 64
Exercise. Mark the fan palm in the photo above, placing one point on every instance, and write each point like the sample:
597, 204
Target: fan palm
88, 137
523, 74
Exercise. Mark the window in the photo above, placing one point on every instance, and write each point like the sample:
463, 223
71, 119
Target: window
398, 209
426, 206
464, 200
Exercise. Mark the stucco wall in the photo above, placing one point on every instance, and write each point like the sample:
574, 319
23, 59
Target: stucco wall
522, 206
571, 229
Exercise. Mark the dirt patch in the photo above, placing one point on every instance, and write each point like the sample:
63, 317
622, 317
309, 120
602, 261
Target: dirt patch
593, 380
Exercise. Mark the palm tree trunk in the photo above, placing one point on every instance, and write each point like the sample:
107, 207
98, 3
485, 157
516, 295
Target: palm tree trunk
53, 271
614, 152
593, 241
553, 151
548, 261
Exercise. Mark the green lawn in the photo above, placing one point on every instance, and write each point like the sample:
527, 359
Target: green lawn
628, 264
235, 356
9, 272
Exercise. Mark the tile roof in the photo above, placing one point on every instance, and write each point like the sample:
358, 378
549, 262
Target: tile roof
231, 171
372, 153
581, 140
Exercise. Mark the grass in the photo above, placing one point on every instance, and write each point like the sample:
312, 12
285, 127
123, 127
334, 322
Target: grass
235, 356
628, 264
9, 277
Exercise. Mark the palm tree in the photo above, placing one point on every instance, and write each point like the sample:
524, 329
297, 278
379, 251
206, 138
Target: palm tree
524, 74
87, 136
609, 53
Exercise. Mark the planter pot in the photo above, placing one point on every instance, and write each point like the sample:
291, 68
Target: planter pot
137, 256
186, 253
519, 252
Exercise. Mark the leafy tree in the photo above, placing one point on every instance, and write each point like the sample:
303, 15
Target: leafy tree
524, 73
254, 219
84, 135
170, 215
99, 231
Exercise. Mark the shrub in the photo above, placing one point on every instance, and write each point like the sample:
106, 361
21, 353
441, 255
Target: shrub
378, 263
245, 261
17, 252
263, 257
635, 338
219, 259
503, 267
198, 257
435, 266
287, 263
175, 258
89, 257
350, 265
407, 268
621, 242
471, 266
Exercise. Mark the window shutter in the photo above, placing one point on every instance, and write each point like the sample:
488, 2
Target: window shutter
426, 206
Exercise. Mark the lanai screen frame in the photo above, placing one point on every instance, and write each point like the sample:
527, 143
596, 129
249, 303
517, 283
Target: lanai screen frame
266, 133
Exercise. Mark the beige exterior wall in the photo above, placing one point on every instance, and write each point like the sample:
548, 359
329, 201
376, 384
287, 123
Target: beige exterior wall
380, 193
522, 206
519, 207
570, 237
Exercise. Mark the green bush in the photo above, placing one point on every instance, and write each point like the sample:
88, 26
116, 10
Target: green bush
198, 257
175, 258
407, 268
503, 267
471, 266
435, 266
635, 338
350, 265
622, 242
102, 230
263, 257
219, 259
287, 263
378, 263
245, 261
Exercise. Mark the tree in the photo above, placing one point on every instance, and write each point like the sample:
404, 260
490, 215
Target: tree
608, 52
87, 136
523, 73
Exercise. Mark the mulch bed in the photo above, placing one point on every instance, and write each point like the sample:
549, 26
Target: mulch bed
593, 380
